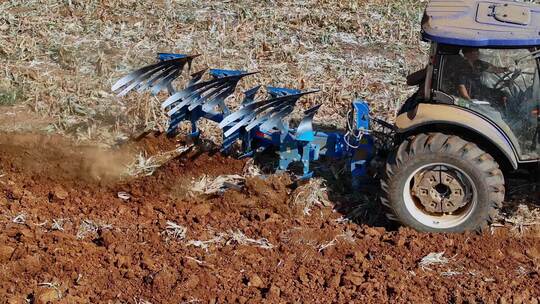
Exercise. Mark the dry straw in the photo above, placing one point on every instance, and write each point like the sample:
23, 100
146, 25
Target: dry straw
60, 58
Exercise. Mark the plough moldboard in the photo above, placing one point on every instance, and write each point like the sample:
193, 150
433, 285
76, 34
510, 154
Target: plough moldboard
259, 124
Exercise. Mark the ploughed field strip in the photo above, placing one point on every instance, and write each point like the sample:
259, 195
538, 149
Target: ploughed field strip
67, 238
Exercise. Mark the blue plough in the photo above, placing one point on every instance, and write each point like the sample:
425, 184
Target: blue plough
257, 124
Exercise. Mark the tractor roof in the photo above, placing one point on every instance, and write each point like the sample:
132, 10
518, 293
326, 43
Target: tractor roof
477, 23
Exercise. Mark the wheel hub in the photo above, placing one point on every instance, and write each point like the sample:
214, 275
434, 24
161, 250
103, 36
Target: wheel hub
439, 191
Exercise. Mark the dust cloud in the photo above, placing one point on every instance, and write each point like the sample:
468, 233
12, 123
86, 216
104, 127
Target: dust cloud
58, 158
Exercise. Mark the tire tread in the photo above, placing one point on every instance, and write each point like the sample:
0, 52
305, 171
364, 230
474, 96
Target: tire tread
429, 143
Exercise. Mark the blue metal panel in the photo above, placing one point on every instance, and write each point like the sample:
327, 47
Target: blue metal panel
304, 132
219, 73
361, 108
359, 161
278, 92
169, 56
477, 23
479, 42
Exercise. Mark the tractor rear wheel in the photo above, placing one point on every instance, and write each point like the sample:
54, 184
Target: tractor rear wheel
442, 183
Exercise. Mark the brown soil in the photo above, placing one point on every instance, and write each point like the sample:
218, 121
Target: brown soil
112, 250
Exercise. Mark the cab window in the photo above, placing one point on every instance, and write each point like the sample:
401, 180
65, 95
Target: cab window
500, 84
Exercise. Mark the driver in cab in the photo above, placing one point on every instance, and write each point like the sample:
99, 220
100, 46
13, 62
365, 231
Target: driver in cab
469, 84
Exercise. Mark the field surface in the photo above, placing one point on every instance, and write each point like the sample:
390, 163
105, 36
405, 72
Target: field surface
90, 215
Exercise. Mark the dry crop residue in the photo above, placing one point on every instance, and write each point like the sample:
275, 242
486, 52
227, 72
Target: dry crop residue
69, 236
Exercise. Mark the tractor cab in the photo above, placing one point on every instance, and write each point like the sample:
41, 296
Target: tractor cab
502, 85
484, 60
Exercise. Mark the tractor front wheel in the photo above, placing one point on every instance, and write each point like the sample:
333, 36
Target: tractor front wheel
442, 183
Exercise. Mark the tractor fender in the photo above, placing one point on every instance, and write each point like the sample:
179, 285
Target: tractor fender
425, 116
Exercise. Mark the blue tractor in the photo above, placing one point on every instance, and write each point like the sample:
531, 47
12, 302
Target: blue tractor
475, 116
